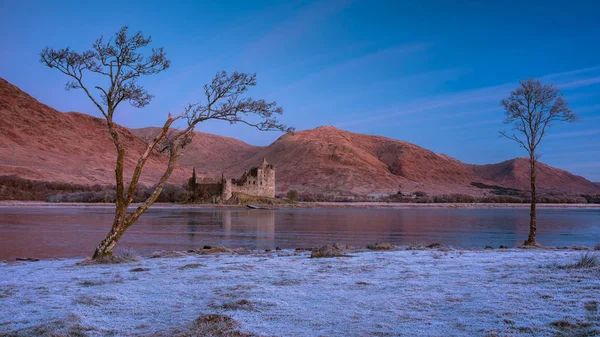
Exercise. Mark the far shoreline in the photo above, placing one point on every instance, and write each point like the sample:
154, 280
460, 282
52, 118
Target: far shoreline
310, 205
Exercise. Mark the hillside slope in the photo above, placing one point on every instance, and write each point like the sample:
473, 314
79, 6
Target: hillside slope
329, 160
514, 173
40, 143
209, 153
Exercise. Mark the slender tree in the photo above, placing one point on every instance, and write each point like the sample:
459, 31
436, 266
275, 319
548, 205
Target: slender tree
119, 63
192, 182
531, 109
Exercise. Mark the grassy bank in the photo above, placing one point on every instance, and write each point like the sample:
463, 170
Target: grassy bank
429, 292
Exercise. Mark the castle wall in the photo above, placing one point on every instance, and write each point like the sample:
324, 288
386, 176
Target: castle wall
259, 182
227, 190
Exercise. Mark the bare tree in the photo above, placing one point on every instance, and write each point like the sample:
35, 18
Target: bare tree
531, 109
119, 62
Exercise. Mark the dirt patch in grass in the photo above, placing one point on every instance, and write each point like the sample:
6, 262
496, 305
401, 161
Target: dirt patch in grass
579, 328
68, 327
6, 292
237, 305
287, 282
92, 283
380, 246
96, 301
334, 250
139, 269
192, 266
210, 250
211, 325
167, 253
591, 306
108, 260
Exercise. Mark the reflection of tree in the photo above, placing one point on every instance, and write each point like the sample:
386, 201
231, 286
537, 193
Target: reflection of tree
191, 224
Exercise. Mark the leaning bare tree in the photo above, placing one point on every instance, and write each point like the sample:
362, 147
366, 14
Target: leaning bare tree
531, 109
119, 62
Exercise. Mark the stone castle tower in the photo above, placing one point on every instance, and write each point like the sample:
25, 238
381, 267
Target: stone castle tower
258, 181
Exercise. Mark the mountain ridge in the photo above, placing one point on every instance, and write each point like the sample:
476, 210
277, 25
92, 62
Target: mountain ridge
41, 143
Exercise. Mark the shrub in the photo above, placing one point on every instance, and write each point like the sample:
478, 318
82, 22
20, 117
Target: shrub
585, 261
171, 193
15, 188
502, 199
448, 198
292, 196
380, 246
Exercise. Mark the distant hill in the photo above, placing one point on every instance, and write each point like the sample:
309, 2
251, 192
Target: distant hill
40, 143
514, 173
327, 159
209, 153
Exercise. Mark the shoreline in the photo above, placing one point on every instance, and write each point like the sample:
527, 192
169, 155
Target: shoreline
430, 292
127, 252
310, 205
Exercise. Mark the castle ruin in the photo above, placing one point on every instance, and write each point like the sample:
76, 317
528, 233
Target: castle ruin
258, 181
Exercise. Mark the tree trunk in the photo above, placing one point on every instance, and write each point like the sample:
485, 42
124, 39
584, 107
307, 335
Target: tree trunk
532, 213
106, 246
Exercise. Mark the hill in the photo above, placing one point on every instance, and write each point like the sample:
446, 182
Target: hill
40, 143
329, 160
208, 153
514, 173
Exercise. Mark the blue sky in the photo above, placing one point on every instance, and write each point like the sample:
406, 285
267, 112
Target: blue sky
428, 72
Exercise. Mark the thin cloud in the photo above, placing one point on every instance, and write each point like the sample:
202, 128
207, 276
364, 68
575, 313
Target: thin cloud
397, 51
571, 154
435, 77
571, 72
472, 125
574, 134
290, 30
316, 58
583, 165
480, 95
580, 83
587, 108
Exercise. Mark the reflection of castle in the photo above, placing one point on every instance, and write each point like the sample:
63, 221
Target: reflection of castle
262, 222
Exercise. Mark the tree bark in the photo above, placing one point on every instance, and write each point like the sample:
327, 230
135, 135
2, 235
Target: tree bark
106, 246
532, 212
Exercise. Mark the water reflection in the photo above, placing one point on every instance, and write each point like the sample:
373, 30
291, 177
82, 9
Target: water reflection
191, 225
63, 232
258, 223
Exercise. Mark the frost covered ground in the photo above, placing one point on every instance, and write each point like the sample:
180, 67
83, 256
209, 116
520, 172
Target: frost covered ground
511, 292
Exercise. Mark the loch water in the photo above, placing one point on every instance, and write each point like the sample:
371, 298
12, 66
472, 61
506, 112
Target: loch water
51, 232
